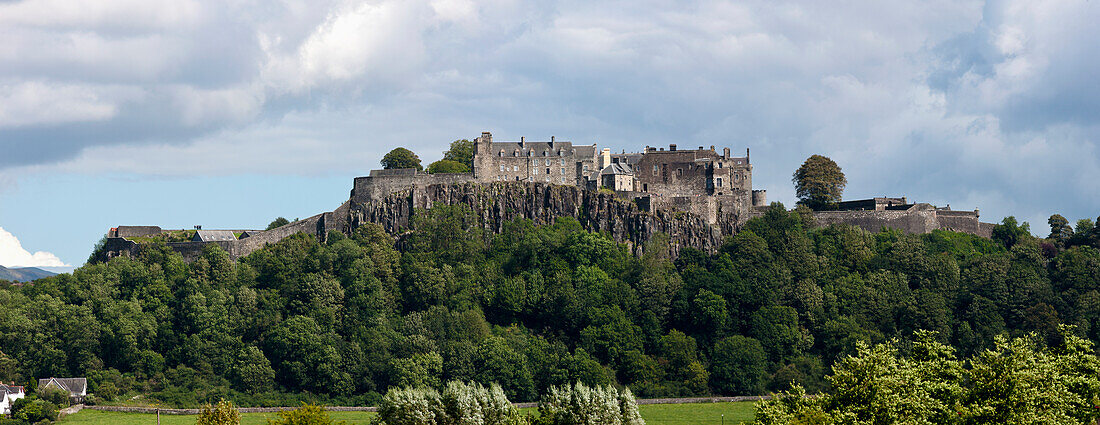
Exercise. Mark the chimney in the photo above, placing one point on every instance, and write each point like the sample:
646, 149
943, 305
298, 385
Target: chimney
605, 158
726, 153
551, 139
700, 148
486, 135
672, 147
522, 139
746, 154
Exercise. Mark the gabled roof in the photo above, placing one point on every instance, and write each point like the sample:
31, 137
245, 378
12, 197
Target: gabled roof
76, 386
617, 168
213, 236
10, 389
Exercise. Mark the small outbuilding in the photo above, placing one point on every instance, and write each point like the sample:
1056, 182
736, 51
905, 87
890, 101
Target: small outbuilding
76, 387
618, 177
213, 236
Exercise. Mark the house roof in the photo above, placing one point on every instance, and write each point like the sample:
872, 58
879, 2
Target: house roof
617, 168
213, 235
10, 389
72, 385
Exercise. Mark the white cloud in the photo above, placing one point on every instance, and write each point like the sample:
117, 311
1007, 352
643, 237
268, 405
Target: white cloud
37, 103
12, 254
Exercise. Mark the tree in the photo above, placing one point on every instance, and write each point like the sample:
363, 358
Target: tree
1060, 231
222, 413
819, 182
278, 222
401, 158
447, 166
462, 152
738, 366
1009, 232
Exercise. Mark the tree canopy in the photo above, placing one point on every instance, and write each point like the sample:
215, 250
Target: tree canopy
401, 158
819, 182
531, 307
447, 166
278, 222
462, 152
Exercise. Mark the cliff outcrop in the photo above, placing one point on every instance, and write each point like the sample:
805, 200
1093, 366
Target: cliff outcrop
498, 203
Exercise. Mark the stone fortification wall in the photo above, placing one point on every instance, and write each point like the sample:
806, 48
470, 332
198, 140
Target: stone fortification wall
919, 218
498, 203
135, 231
384, 182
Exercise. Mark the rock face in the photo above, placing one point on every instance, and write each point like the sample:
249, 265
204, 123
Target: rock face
497, 203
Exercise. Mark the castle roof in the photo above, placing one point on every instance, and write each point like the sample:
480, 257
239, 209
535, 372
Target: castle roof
617, 168
213, 236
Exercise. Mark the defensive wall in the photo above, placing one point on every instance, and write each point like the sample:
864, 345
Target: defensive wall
915, 219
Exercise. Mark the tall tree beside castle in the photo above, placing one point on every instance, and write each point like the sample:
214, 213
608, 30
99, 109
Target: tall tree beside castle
462, 152
819, 182
401, 158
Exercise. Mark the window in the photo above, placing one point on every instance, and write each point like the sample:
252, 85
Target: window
501, 167
563, 162
655, 169
563, 171
547, 161
645, 187
530, 153
548, 171
719, 165
561, 152
586, 168
535, 171
515, 168
719, 184
515, 153
563, 180
502, 153
679, 172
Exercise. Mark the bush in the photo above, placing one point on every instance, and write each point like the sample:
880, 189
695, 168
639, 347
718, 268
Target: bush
54, 395
31, 410
222, 413
459, 403
308, 414
583, 405
107, 391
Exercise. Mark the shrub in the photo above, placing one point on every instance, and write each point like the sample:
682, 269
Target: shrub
583, 405
459, 403
54, 395
31, 410
308, 414
222, 413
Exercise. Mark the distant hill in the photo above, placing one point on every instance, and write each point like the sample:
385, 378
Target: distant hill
23, 274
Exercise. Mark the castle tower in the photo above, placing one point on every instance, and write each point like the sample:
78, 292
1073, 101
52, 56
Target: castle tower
483, 156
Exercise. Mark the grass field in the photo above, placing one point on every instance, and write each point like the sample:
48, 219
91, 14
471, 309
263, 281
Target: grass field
654, 414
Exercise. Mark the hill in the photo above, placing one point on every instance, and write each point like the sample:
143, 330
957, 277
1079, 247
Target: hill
23, 274
342, 320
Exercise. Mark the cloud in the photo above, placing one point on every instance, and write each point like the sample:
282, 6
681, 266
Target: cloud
989, 104
12, 254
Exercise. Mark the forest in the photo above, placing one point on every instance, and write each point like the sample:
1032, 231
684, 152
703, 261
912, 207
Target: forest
342, 321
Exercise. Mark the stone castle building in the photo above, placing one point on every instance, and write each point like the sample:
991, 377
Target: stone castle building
696, 196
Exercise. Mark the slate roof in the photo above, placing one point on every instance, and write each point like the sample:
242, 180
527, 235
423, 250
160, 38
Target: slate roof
75, 386
250, 233
617, 169
213, 235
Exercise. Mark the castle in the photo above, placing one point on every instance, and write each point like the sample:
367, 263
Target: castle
696, 196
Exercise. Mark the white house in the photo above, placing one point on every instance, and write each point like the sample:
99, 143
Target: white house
8, 395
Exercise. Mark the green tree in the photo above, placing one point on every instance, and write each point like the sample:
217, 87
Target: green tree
278, 222
1009, 232
401, 158
1060, 231
819, 182
252, 372
447, 166
738, 366
222, 413
462, 152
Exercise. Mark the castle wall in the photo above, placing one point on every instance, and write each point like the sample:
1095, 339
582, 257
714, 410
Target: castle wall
497, 203
136, 231
920, 218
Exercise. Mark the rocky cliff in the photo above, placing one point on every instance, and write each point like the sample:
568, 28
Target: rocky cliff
497, 203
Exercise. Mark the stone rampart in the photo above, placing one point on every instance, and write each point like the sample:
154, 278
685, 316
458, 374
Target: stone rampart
384, 182
498, 203
919, 218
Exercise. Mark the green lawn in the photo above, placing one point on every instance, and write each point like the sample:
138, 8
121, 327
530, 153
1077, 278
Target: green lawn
114, 418
654, 414
698, 413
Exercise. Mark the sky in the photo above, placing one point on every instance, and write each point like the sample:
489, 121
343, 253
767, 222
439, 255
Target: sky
230, 113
